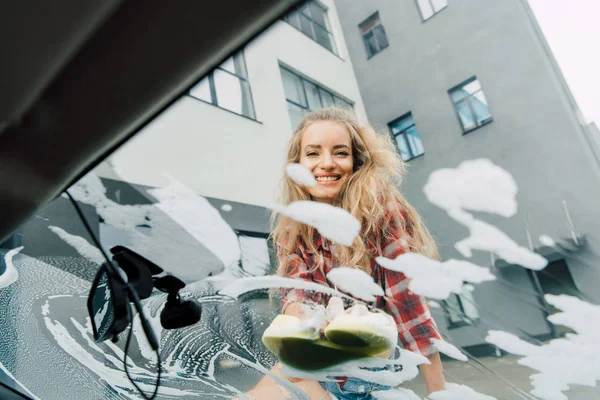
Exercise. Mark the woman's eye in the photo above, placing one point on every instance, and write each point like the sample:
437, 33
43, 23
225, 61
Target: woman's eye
311, 154
341, 153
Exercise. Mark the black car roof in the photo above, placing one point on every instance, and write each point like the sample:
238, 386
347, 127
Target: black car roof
80, 78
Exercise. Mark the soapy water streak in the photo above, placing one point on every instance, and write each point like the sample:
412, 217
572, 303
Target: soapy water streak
183, 373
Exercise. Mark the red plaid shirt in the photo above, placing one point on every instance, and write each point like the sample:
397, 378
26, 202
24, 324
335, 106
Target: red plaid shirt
410, 311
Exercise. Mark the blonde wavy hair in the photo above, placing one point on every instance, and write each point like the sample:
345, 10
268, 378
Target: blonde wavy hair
368, 194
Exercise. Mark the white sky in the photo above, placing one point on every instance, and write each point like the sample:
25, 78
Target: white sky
572, 30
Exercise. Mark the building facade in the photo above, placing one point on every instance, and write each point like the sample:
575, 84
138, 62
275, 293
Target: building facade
453, 81
226, 139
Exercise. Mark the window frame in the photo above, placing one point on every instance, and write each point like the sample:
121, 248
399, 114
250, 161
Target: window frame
371, 31
213, 89
320, 88
298, 10
423, 19
403, 132
468, 97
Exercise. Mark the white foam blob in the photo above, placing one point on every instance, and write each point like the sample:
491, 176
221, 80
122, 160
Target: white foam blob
335, 307
480, 185
229, 363
300, 174
572, 360
448, 349
333, 223
486, 237
82, 246
10, 275
226, 207
477, 185
547, 241
435, 279
454, 391
511, 343
355, 282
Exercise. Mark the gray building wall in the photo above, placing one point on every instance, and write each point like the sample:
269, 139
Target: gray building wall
536, 133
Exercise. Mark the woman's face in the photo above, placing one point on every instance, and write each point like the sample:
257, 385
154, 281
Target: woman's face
326, 151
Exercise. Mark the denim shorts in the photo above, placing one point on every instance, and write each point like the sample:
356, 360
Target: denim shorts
353, 389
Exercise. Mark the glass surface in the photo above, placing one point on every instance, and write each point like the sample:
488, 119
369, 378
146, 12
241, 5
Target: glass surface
294, 19
469, 306
380, 37
202, 90
306, 26
439, 4
342, 103
371, 44
293, 87
403, 147
323, 37
233, 93
326, 98
195, 189
255, 255
425, 7
454, 312
414, 141
235, 65
480, 107
466, 116
312, 93
472, 87
402, 124
458, 94
318, 14
295, 114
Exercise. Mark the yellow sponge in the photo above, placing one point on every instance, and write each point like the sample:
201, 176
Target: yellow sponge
355, 334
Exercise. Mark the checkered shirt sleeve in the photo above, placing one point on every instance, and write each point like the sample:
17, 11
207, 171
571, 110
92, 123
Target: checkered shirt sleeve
410, 311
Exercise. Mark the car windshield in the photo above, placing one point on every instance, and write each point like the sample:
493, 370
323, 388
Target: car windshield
489, 108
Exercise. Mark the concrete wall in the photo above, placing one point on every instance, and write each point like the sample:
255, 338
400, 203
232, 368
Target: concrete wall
224, 155
536, 134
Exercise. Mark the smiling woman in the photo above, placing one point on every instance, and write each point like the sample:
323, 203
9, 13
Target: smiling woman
327, 153
357, 170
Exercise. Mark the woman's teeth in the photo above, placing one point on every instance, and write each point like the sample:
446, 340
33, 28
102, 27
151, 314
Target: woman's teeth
327, 178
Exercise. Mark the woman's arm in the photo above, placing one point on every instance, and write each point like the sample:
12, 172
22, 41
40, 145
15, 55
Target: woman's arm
433, 374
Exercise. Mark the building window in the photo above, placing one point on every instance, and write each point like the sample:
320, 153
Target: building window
429, 8
311, 19
303, 95
470, 104
227, 87
373, 35
460, 310
406, 137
